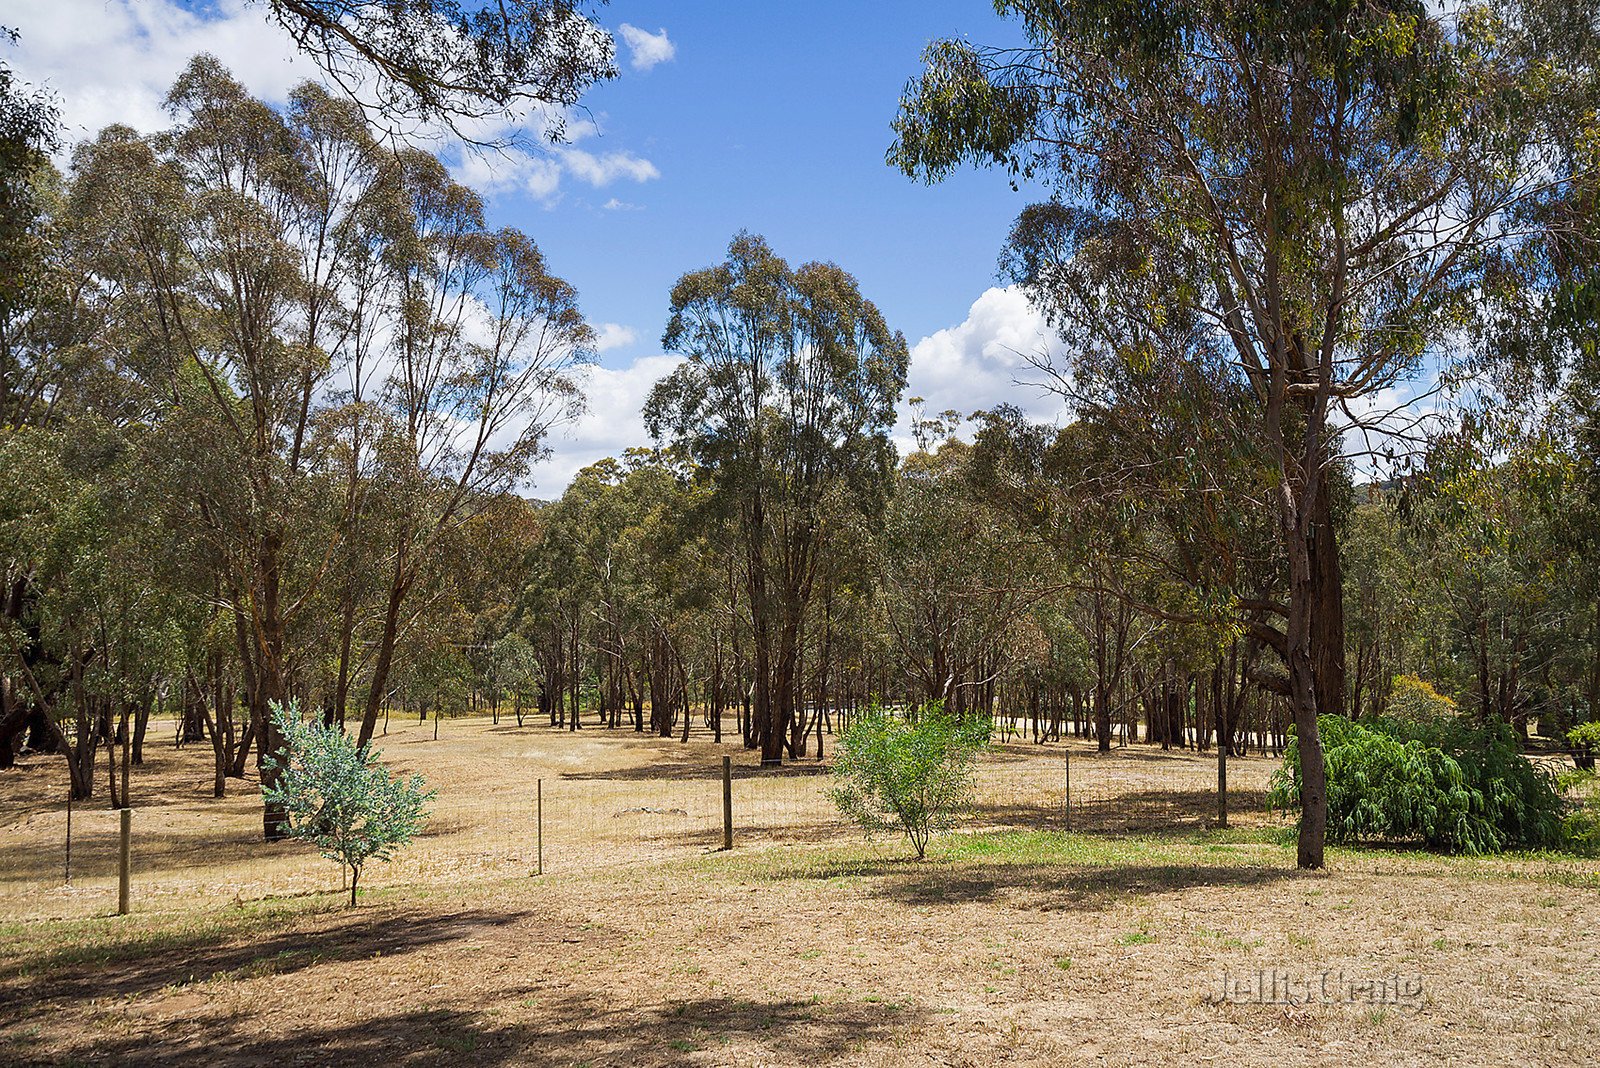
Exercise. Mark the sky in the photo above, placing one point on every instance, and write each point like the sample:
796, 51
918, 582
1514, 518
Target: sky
772, 118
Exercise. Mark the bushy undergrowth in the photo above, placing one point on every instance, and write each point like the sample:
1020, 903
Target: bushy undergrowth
1445, 783
1412, 698
1585, 742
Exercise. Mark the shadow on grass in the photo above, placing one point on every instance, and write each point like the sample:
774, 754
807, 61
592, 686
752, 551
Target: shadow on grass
1045, 872
564, 1030
1051, 887
694, 766
1015, 749
143, 964
202, 844
1174, 811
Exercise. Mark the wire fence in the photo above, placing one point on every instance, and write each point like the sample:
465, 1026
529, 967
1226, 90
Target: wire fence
517, 801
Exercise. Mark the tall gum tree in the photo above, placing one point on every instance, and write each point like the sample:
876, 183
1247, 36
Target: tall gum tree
1317, 184
365, 365
786, 397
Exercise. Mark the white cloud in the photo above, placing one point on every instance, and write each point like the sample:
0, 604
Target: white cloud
620, 205
648, 49
1381, 431
113, 61
613, 336
538, 173
511, 171
539, 176
984, 361
612, 424
603, 170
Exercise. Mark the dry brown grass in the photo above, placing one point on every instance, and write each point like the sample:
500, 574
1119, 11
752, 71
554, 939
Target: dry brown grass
611, 797
1013, 944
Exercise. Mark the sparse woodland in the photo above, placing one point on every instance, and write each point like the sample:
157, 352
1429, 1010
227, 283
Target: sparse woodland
272, 386
1320, 286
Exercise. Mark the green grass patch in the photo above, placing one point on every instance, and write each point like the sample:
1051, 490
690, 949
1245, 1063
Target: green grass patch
35, 945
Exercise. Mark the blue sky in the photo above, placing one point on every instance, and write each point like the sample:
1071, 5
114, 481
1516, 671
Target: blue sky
775, 118
768, 117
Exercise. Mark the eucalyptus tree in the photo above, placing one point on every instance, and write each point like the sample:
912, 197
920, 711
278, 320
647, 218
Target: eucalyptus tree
227, 247
957, 576
576, 589
1539, 329
1314, 185
666, 575
484, 358
1383, 605
1504, 596
459, 65
33, 302
486, 569
29, 132
104, 632
786, 394
356, 365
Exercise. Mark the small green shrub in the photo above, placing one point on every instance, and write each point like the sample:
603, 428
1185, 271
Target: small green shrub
339, 798
913, 777
1445, 784
1582, 827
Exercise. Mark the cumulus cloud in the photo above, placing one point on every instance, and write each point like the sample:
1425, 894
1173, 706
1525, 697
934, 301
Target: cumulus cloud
620, 205
539, 176
604, 169
612, 424
647, 49
613, 336
982, 361
113, 61
535, 176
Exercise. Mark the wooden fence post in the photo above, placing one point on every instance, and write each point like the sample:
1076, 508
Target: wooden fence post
539, 818
123, 864
1066, 789
69, 834
727, 803
1222, 783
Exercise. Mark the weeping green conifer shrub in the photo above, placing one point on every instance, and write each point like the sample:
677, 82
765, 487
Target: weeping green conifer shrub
1446, 784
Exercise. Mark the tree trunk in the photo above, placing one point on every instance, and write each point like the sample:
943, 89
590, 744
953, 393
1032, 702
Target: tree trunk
1327, 612
1299, 650
385, 659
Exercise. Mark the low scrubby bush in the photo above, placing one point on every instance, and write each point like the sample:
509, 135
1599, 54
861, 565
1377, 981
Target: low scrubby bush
913, 776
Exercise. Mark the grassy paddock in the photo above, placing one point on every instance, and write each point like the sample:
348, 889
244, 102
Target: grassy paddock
1012, 943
